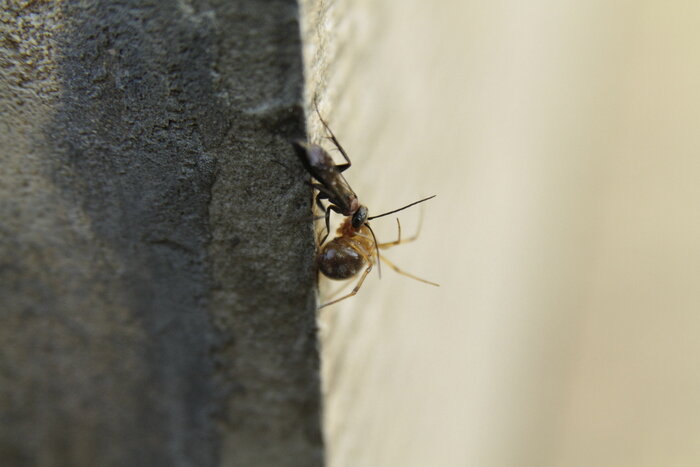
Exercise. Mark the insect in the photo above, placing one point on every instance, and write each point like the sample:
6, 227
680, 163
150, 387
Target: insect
330, 182
355, 245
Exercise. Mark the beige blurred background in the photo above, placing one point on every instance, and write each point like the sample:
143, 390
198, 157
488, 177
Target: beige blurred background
562, 139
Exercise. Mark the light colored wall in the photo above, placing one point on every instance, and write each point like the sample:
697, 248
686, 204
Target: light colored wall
562, 140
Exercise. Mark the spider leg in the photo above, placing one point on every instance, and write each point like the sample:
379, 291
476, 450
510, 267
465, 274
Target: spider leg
354, 290
400, 240
407, 274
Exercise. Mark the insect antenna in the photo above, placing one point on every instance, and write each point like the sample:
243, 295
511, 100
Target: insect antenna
376, 246
401, 209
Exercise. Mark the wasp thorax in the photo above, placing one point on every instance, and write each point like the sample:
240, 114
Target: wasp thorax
338, 260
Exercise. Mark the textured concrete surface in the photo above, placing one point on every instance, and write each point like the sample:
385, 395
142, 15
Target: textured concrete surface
156, 283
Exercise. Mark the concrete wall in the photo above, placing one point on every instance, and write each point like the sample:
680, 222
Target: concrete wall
157, 292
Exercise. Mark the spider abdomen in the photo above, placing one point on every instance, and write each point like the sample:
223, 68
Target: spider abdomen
340, 259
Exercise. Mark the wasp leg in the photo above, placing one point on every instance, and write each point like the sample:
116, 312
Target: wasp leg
404, 273
332, 137
326, 210
322, 194
320, 197
321, 190
354, 290
328, 221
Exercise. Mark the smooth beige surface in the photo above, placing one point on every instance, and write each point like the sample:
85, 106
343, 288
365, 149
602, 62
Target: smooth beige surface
563, 141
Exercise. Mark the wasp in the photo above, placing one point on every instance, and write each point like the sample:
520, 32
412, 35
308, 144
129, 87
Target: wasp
355, 245
330, 182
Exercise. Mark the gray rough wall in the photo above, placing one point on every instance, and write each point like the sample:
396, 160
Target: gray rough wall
156, 274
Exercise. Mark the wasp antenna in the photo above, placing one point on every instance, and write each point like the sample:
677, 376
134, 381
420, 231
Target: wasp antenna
401, 209
376, 246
